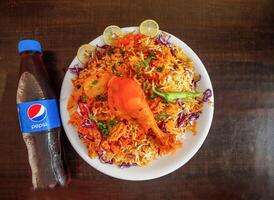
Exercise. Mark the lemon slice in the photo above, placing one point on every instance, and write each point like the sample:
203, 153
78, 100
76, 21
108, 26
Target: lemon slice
149, 27
85, 52
111, 33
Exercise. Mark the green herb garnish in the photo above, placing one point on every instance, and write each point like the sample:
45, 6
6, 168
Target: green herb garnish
94, 82
152, 55
147, 62
112, 123
144, 86
162, 116
137, 69
101, 98
103, 128
160, 69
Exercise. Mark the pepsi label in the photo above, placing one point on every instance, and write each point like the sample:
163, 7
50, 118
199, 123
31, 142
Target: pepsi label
36, 116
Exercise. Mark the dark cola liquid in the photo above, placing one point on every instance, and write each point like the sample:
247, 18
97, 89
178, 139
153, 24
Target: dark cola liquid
44, 150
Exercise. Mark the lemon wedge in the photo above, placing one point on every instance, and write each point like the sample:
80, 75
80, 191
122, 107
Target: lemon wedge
111, 33
149, 28
85, 52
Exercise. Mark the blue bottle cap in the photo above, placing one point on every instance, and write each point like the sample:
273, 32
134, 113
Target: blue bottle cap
29, 45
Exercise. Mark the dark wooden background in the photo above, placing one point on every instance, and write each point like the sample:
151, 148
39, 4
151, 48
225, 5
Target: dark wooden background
234, 39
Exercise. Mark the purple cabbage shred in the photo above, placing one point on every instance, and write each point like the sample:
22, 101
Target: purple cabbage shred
104, 160
79, 110
126, 165
197, 80
125, 122
162, 126
181, 120
88, 123
193, 117
98, 54
85, 106
76, 69
172, 51
106, 50
179, 102
206, 95
164, 40
102, 156
184, 119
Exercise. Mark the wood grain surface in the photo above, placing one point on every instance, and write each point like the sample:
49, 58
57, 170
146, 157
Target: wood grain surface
234, 39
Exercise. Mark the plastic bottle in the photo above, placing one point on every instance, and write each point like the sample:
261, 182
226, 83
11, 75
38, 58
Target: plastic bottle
39, 118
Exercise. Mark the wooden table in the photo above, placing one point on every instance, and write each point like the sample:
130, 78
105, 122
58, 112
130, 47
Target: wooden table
234, 39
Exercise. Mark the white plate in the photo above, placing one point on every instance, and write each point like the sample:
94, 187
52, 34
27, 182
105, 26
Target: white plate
163, 165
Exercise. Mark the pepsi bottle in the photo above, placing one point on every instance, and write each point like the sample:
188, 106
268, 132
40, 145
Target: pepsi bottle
39, 118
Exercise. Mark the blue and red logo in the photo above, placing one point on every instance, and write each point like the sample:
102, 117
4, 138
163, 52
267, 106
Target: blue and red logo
39, 115
37, 112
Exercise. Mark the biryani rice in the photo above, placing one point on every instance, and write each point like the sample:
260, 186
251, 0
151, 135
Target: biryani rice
146, 60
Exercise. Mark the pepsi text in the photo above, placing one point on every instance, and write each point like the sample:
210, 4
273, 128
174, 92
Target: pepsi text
40, 115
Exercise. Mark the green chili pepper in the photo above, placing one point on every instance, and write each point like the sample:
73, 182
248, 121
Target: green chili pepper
173, 96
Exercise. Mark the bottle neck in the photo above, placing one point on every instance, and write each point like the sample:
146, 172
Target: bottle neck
32, 65
32, 62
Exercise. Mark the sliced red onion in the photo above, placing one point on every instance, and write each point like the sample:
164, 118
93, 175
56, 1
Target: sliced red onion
102, 156
85, 137
206, 95
164, 40
88, 138
172, 51
79, 110
101, 148
196, 81
125, 122
104, 160
88, 123
179, 102
162, 126
76, 69
187, 119
193, 117
107, 48
127, 165
86, 107
99, 54
181, 120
